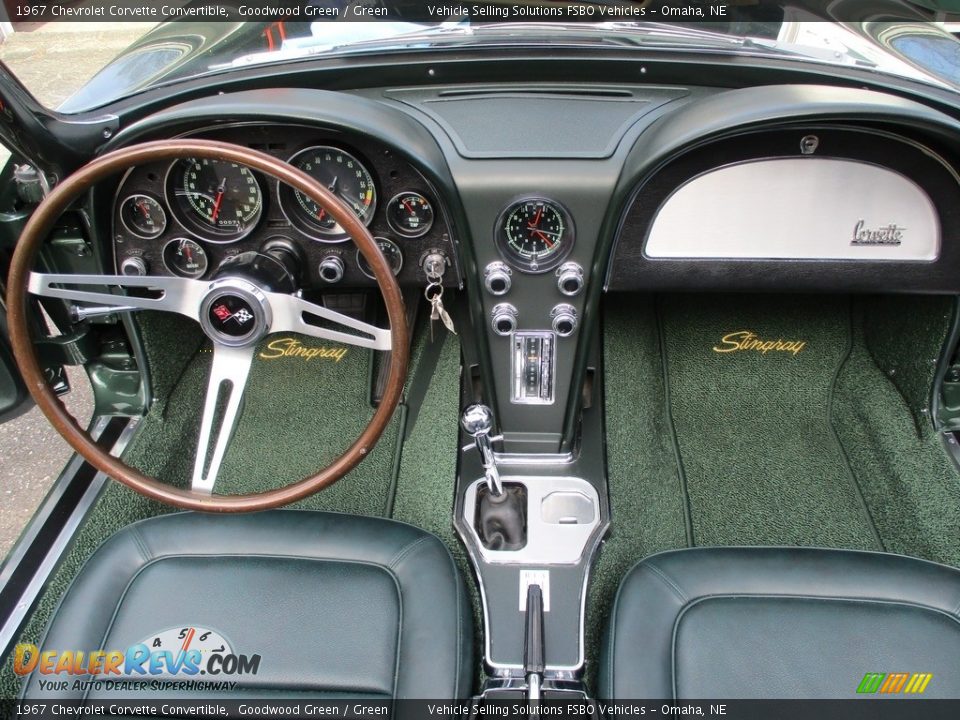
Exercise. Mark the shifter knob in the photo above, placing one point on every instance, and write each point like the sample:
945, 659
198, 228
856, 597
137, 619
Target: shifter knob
477, 420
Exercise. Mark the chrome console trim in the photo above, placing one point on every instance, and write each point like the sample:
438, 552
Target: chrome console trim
548, 543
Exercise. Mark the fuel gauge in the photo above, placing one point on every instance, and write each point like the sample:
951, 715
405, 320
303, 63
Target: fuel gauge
185, 257
143, 216
410, 214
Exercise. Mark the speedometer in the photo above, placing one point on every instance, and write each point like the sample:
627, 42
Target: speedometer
217, 200
343, 175
535, 234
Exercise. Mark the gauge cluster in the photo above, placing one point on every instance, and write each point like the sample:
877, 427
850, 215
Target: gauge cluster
187, 217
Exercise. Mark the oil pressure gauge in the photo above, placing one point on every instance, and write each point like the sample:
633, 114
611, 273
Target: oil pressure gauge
535, 234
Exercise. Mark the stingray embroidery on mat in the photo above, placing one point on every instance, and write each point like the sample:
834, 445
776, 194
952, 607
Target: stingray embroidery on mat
745, 340
293, 348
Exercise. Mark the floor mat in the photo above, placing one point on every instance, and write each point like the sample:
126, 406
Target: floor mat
751, 388
880, 414
428, 469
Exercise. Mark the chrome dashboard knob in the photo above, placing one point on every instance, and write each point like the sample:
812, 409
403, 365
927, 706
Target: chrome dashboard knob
331, 269
497, 278
504, 318
570, 279
564, 320
133, 266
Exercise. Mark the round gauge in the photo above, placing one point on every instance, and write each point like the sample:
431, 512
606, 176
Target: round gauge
410, 214
220, 201
535, 234
390, 251
143, 216
343, 175
185, 257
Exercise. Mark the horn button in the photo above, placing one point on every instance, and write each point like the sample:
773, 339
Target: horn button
235, 312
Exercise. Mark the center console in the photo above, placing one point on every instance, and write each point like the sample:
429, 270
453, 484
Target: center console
531, 500
531, 503
531, 523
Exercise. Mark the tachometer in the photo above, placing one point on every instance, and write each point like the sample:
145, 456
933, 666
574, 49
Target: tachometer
343, 175
535, 234
217, 200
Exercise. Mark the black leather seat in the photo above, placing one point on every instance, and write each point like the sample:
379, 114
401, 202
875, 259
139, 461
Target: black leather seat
333, 604
780, 623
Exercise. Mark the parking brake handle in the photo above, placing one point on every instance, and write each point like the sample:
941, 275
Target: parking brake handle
534, 662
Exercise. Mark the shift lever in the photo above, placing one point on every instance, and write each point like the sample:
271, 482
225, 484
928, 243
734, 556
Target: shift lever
477, 422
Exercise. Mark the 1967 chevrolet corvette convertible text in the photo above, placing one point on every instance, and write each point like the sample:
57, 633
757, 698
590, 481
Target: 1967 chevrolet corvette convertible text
593, 364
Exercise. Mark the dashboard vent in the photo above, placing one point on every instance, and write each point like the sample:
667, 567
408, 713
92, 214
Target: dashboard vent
557, 92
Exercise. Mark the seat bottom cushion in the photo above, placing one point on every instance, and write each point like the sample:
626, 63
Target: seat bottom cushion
317, 604
783, 623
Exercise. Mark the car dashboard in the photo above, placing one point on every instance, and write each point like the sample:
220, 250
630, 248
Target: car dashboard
534, 203
538, 199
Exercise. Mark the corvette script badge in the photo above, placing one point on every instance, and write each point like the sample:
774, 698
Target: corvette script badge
891, 234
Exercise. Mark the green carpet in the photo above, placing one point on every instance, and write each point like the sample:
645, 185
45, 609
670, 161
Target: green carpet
646, 498
829, 445
428, 469
910, 485
298, 414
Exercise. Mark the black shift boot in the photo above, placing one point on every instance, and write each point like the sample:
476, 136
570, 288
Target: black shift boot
502, 519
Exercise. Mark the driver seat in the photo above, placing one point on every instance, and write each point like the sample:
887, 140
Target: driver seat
335, 605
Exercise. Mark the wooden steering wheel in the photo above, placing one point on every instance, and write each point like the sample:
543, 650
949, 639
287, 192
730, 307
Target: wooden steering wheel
254, 312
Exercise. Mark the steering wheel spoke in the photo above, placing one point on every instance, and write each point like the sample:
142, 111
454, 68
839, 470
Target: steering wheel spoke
290, 314
171, 294
228, 379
